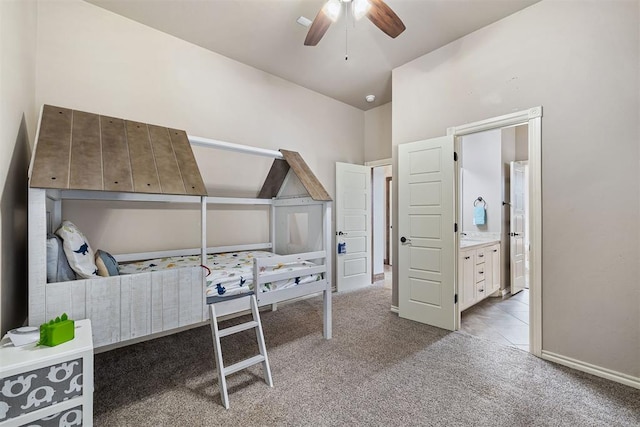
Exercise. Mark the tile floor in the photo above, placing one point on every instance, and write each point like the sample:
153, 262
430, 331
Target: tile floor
505, 321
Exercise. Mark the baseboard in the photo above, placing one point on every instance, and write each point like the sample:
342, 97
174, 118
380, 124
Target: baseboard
378, 277
394, 309
592, 369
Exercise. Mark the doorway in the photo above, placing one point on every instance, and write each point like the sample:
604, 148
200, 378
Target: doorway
492, 262
382, 231
427, 235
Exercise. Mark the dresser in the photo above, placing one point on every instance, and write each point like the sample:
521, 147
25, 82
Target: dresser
48, 386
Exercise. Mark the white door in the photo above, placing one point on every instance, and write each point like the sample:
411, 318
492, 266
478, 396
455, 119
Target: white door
517, 228
353, 226
426, 237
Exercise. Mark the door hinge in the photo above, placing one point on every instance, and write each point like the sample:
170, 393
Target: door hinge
455, 299
455, 156
455, 227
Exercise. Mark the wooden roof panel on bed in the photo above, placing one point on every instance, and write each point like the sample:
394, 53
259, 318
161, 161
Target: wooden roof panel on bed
84, 151
278, 173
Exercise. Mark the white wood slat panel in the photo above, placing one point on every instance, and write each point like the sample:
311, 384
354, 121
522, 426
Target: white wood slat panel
274, 277
140, 304
204, 307
103, 308
37, 256
78, 300
156, 301
58, 297
198, 286
170, 299
184, 296
125, 307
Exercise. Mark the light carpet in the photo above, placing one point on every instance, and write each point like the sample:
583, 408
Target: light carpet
377, 370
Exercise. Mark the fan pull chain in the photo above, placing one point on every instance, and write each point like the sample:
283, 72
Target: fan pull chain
346, 32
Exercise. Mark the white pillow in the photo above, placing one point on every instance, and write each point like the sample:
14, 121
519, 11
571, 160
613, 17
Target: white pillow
76, 247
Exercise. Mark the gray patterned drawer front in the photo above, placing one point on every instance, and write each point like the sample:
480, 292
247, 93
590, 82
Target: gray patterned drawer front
68, 418
37, 389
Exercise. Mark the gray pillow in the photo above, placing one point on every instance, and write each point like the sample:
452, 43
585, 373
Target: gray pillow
58, 268
107, 265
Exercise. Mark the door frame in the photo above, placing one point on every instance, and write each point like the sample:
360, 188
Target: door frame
388, 182
533, 118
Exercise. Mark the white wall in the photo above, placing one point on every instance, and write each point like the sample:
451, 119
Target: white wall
377, 133
580, 61
522, 142
17, 129
93, 60
482, 177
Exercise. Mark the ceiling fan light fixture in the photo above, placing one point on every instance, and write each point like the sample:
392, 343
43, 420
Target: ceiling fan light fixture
332, 9
360, 8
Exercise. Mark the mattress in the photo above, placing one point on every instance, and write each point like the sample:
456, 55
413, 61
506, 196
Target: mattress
230, 273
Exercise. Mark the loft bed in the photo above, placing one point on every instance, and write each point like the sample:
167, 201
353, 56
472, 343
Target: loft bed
85, 156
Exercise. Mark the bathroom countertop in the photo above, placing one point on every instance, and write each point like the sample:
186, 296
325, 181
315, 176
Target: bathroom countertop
470, 243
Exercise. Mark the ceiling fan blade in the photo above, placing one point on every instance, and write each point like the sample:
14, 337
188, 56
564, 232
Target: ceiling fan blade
317, 29
384, 18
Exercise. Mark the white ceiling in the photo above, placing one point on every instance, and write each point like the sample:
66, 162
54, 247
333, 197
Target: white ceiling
264, 34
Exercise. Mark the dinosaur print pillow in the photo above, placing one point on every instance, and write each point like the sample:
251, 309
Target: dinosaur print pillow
76, 247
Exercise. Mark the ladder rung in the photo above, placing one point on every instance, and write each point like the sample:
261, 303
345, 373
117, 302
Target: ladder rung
238, 328
243, 364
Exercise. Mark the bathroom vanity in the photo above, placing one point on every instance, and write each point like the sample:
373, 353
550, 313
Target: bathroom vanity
478, 270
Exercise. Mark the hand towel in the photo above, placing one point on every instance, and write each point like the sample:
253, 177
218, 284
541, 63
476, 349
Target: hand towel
479, 215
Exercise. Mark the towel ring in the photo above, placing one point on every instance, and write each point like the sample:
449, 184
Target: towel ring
479, 200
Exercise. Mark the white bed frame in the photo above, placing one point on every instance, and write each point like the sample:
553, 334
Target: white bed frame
130, 308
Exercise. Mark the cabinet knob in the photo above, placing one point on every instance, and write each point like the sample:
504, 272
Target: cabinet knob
495, 250
480, 256
467, 257
480, 290
480, 272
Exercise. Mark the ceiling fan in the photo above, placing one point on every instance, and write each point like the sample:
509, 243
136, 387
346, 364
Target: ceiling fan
377, 11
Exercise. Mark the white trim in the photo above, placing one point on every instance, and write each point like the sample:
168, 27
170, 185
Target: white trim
512, 119
533, 118
128, 197
230, 146
297, 201
192, 251
598, 371
237, 201
394, 309
165, 198
381, 162
535, 234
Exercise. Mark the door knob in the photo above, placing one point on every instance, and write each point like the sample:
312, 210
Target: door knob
405, 240
340, 233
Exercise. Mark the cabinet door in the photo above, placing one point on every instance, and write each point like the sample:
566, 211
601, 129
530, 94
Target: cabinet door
467, 289
495, 268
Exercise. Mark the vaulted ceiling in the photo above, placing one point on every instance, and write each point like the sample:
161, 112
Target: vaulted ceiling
264, 34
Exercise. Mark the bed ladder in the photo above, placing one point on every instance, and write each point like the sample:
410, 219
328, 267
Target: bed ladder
223, 371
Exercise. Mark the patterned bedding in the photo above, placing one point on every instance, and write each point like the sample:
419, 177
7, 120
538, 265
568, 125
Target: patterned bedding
231, 273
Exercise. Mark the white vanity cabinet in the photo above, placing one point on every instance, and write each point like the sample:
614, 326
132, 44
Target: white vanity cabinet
478, 273
492, 268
